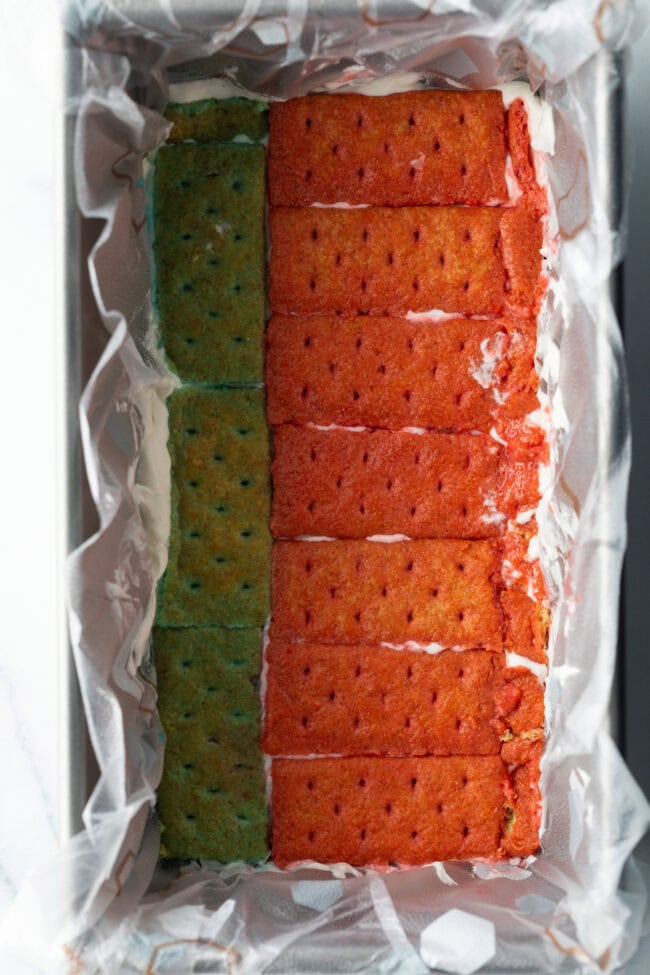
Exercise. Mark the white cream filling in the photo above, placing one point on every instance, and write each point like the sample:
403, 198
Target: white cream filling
341, 205
523, 517
509, 573
517, 660
512, 183
540, 116
389, 539
403, 81
484, 370
432, 648
434, 315
335, 426
493, 516
495, 436
195, 91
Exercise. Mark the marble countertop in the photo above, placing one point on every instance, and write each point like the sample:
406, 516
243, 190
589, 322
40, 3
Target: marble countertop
31, 581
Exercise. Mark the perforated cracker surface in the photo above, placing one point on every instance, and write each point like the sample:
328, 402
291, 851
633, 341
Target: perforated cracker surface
218, 569
388, 372
352, 484
212, 796
209, 251
378, 701
441, 591
405, 149
217, 120
387, 260
387, 810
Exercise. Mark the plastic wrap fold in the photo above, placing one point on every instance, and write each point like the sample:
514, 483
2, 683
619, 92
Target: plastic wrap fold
103, 905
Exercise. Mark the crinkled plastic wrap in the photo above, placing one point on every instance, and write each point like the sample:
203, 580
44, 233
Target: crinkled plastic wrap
104, 905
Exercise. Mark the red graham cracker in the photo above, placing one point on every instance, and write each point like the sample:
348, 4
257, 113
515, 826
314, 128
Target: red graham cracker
408, 149
522, 236
522, 156
518, 750
404, 811
526, 618
521, 831
522, 229
359, 700
389, 261
353, 592
522, 572
379, 701
352, 484
389, 372
526, 625
526, 450
519, 702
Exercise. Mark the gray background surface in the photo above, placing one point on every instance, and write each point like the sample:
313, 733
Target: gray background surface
635, 294
634, 670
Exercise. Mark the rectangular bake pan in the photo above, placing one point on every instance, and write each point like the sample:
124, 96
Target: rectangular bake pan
85, 344
84, 347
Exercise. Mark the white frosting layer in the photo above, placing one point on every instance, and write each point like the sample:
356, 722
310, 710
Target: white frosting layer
512, 183
540, 116
196, 91
341, 205
377, 87
388, 539
484, 371
432, 648
434, 316
492, 515
495, 436
516, 660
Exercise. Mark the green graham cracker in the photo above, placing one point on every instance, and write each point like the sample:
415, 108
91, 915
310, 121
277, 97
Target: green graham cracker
219, 552
212, 796
209, 258
217, 120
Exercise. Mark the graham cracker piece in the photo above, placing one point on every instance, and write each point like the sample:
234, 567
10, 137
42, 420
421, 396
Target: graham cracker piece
440, 591
370, 810
217, 120
378, 701
393, 373
526, 625
209, 256
219, 552
212, 795
352, 484
521, 830
388, 261
407, 149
